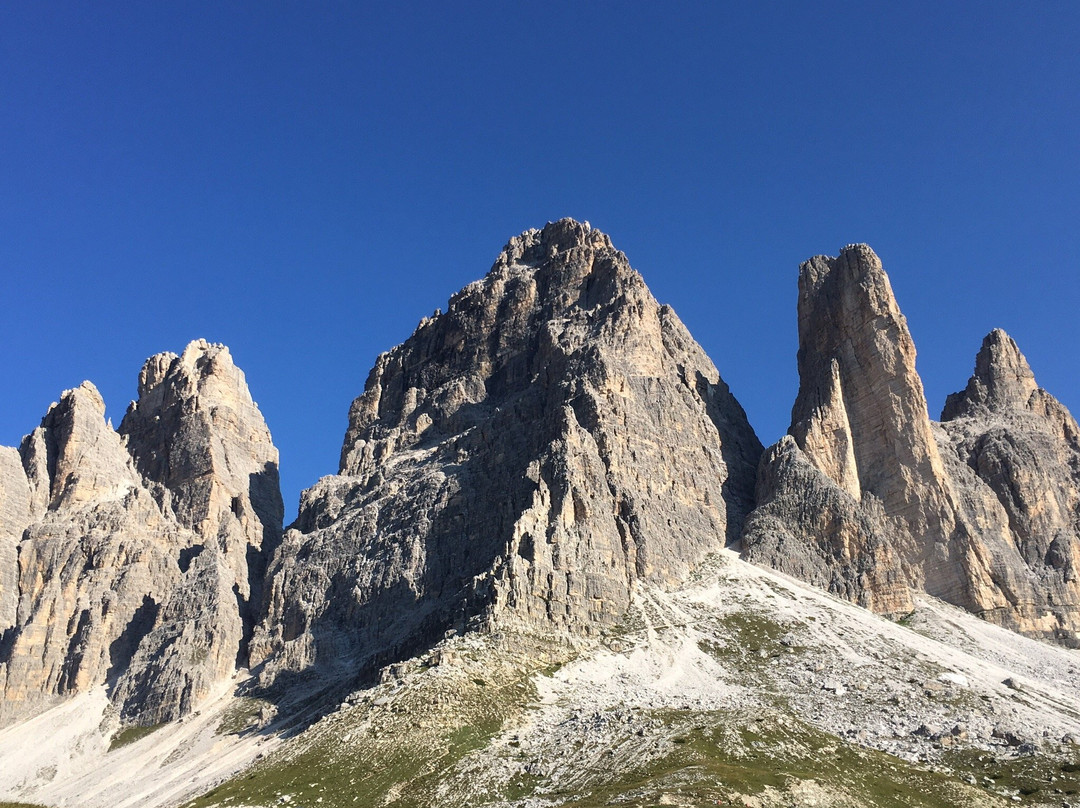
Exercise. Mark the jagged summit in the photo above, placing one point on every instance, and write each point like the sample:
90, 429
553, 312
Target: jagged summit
524, 457
1002, 381
873, 501
537, 245
128, 557
549, 293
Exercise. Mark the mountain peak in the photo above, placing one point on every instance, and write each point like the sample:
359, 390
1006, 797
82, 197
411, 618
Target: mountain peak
537, 245
524, 457
1002, 380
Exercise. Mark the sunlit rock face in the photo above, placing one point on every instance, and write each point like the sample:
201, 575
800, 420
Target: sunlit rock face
871, 500
1020, 450
523, 459
126, 557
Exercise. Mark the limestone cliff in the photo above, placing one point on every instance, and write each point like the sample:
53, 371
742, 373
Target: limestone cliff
201, 443
124, 557
872, 500
1021, 450
524, 458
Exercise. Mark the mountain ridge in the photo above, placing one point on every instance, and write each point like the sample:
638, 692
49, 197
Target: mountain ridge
534, 471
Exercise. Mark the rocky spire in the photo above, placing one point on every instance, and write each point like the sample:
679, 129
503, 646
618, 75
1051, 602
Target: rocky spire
857, 364
196, 433
871, 499
1002, 381
133, 549
880, 507
522, 459
74, 456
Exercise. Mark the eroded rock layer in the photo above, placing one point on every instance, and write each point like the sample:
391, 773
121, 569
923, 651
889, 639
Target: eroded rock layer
524, 457
124, 557
870, 499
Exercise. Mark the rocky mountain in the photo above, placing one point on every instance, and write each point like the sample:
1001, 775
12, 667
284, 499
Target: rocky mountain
555, 568
868, 498
1023, 446
128, 555
524, 458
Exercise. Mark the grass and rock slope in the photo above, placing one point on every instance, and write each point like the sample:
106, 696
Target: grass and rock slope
743, 687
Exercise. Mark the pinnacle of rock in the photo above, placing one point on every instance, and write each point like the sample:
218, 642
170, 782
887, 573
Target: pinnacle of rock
74, 457
976, 511
856, 355
197, 433
1002, 380
135, 549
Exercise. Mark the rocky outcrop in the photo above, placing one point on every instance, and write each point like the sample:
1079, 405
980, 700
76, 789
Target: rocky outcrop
871, 500
522, 459
130, 567
199, 440
14, 519
93, 565
860, 422
1020, 450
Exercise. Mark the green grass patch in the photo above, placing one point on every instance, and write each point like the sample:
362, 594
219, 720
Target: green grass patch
130, 735
397, 752
773, 761
1038, 779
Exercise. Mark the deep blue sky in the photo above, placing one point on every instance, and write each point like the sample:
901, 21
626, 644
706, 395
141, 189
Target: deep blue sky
305, 181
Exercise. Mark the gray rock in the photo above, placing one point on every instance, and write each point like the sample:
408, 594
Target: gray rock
198, 437
15, 517
133, 549
93, 566
1019, 453
523, 458
204, 449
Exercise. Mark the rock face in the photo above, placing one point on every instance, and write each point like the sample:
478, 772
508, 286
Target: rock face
871, 500
522, 462
200, 441
126, 571
14, 518
522, 459
1023, 448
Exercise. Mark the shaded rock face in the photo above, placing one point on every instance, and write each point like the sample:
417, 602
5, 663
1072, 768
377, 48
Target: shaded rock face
871, 500
522, 459
119, 568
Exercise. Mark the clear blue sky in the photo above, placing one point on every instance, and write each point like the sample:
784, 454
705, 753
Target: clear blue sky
305, 181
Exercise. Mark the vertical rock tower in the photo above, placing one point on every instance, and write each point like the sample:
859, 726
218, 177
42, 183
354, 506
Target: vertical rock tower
1020, 450
523, 459
871, 500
